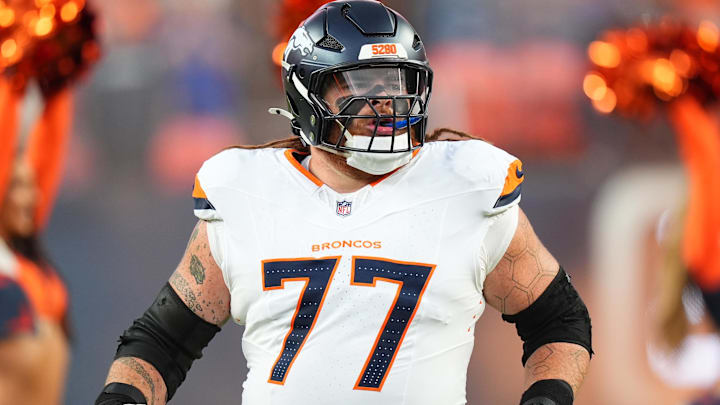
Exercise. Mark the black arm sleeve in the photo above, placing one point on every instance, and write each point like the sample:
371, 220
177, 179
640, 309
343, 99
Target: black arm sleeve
558, 315
120, 394
169, 336
548, 392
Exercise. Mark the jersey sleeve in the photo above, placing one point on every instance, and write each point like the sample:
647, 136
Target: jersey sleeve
512, 188
204, 209
218, 242
16, 316
498, 238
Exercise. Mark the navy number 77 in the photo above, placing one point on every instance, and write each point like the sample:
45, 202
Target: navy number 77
411, 278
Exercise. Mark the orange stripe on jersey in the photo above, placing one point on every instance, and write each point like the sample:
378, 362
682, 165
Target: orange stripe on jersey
385, 176
300, 168
513, 183
289, 155
514, 177
198, 191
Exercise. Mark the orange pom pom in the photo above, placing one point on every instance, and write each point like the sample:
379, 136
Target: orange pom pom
51, 41
634, 69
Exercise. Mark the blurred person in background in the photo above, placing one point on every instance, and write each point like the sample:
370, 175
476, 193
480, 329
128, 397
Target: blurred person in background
19, 360
48, 53
688, 333
25, 204
690, 293
320, 208
679, 361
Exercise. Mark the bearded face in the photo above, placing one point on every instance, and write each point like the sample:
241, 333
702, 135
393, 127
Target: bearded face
372, 102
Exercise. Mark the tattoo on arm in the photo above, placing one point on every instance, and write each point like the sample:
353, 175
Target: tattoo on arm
197, 269
193, 236
581, 364
523, 273
565, 361
194, 233
179, 283
521, 276
199, 282
140, 370
538, 365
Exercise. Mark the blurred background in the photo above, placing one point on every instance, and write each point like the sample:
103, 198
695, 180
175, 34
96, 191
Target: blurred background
181, 79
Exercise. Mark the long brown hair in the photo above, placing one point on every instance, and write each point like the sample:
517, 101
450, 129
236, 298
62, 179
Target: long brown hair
439, 134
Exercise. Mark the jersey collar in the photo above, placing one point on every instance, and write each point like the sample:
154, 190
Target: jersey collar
295, 157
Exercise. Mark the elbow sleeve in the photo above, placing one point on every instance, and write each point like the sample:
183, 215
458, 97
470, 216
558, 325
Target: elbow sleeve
169, 336
558, 315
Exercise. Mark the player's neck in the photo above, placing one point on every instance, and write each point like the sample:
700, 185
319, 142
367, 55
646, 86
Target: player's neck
332, 170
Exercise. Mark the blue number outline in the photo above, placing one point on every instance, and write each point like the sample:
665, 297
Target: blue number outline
297, 271
406, 275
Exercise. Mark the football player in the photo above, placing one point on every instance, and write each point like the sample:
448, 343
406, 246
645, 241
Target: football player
358, 255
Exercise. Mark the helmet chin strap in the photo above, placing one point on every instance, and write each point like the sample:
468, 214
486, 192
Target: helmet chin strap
375, 163
333, 151
348, 136
369, 162
352, 139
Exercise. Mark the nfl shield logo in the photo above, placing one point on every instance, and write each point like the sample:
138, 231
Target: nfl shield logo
344, 208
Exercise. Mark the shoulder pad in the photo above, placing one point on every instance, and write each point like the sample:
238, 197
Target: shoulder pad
490, 168
245, 170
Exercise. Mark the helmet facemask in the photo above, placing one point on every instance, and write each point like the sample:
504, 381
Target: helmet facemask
372, 108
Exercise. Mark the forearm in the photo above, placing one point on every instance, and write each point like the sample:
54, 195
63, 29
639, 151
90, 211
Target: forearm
196, 300
141, 375
533, 292
563, 361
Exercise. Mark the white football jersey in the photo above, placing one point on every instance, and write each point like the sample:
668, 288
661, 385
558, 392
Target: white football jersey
363, 298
